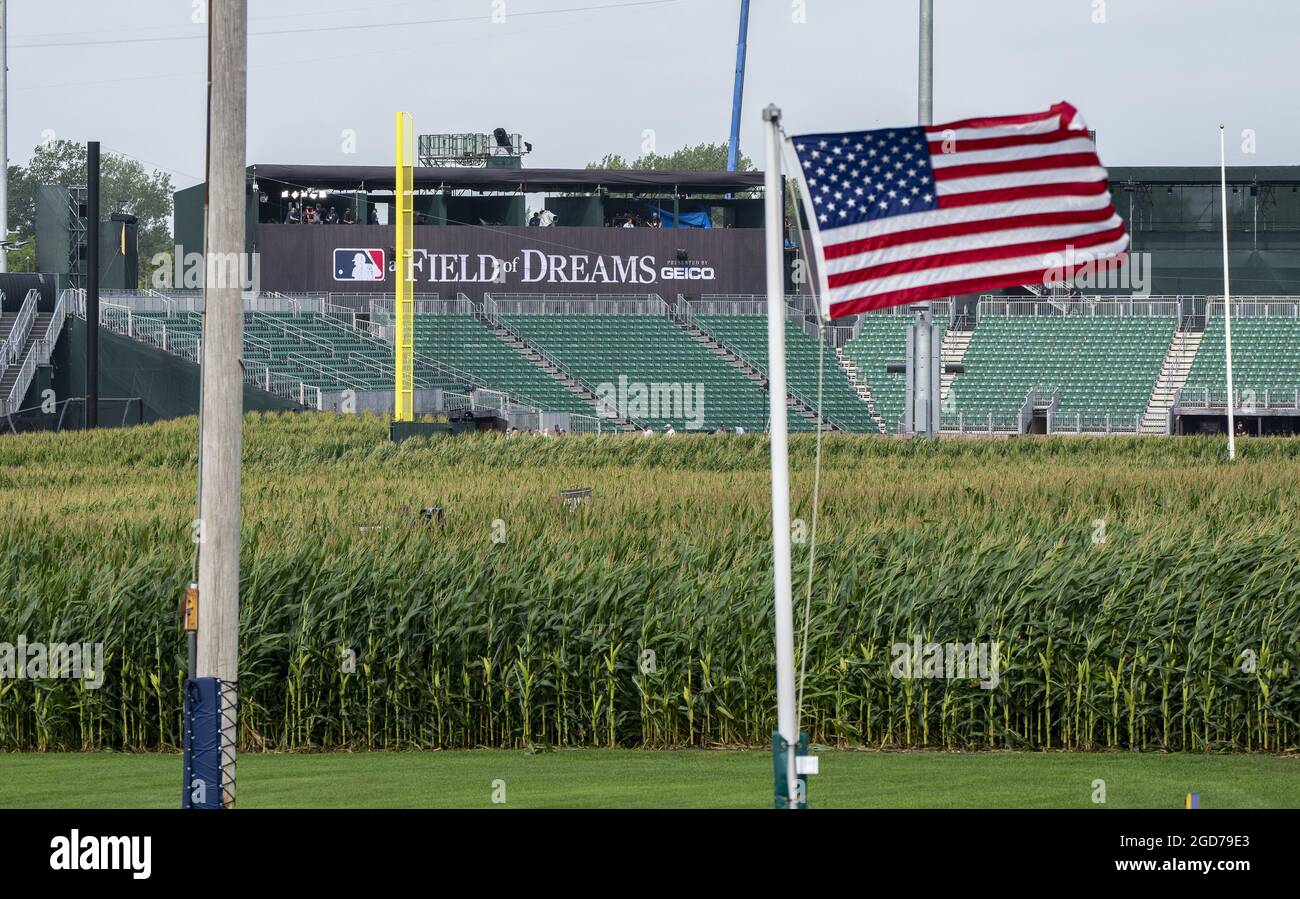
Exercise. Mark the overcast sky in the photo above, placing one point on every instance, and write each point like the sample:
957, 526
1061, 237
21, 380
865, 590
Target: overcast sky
580, 78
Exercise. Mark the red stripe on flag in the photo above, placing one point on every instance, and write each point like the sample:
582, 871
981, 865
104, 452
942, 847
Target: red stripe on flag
956, 229
1032, 164
1064, 110
966, 257
935, 291
971, 145
1027, 192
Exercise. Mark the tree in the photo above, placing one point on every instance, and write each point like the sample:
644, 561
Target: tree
699, 158
124, 186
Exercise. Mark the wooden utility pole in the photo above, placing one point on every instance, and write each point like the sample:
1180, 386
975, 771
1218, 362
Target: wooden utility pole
221, 428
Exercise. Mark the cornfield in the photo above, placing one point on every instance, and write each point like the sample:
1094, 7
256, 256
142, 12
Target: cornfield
1143, 593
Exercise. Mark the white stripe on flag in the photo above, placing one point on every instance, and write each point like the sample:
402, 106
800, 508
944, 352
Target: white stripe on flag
964, 242
1090, 173
1002, 154
1042, 126
969, 271
962, 214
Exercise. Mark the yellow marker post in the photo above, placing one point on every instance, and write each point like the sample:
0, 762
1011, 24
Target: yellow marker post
403, 305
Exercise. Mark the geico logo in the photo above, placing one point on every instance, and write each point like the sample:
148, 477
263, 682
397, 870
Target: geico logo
690, 273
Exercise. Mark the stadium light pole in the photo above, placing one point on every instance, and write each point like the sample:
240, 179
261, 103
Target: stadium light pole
1227, 298
221, 433
778, 437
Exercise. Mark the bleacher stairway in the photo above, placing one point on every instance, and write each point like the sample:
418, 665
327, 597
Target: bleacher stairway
794, 405
955, 345
40, 324
850, 369
549, 366
1173, 375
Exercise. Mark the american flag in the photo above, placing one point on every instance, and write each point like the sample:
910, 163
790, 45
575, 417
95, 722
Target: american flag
901, 215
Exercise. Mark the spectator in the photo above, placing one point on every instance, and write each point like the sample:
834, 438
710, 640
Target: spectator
347, 216
629, 223
374, 216
332, 217
295, 215
668, 429
648, 432
535, 221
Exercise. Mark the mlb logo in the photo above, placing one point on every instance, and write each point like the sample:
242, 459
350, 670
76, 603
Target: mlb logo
353, 264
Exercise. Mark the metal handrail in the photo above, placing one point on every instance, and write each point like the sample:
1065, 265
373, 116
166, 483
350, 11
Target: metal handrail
551, 360
1106, 423
448, 372
762, 370
1246, 399
25, 374
988, 423
326, 372
559, 304
23, 324
385, 370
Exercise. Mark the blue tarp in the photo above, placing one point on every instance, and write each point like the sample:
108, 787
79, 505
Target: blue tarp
684, 220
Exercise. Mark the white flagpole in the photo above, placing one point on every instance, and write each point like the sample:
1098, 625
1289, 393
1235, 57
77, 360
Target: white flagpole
778, 435
1227, 299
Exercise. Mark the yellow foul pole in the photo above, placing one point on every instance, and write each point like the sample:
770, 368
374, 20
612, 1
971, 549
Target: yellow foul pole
404, 306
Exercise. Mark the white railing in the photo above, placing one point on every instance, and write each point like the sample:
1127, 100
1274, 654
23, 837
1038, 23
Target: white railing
23, 324
761, 368
544, 303
42, 348
1247, 400
1082, 305
1256, 307
422, 303
1079, 423
25, 374
139, 300
282, 385
979, 423
55, 326
187, 345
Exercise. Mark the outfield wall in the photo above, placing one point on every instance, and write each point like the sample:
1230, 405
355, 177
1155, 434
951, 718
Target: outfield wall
455, 259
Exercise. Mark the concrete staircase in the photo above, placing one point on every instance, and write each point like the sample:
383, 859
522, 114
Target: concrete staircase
552, 368
794, 405
850, 369
1173, 375
955, 345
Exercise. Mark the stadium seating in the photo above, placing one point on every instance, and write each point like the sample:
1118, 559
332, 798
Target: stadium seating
1102, 365
882, 339
648, 349
307, 348
461, 342
840, 402
1265, 355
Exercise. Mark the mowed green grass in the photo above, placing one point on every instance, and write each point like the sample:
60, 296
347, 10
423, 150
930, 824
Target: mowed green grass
661, 779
